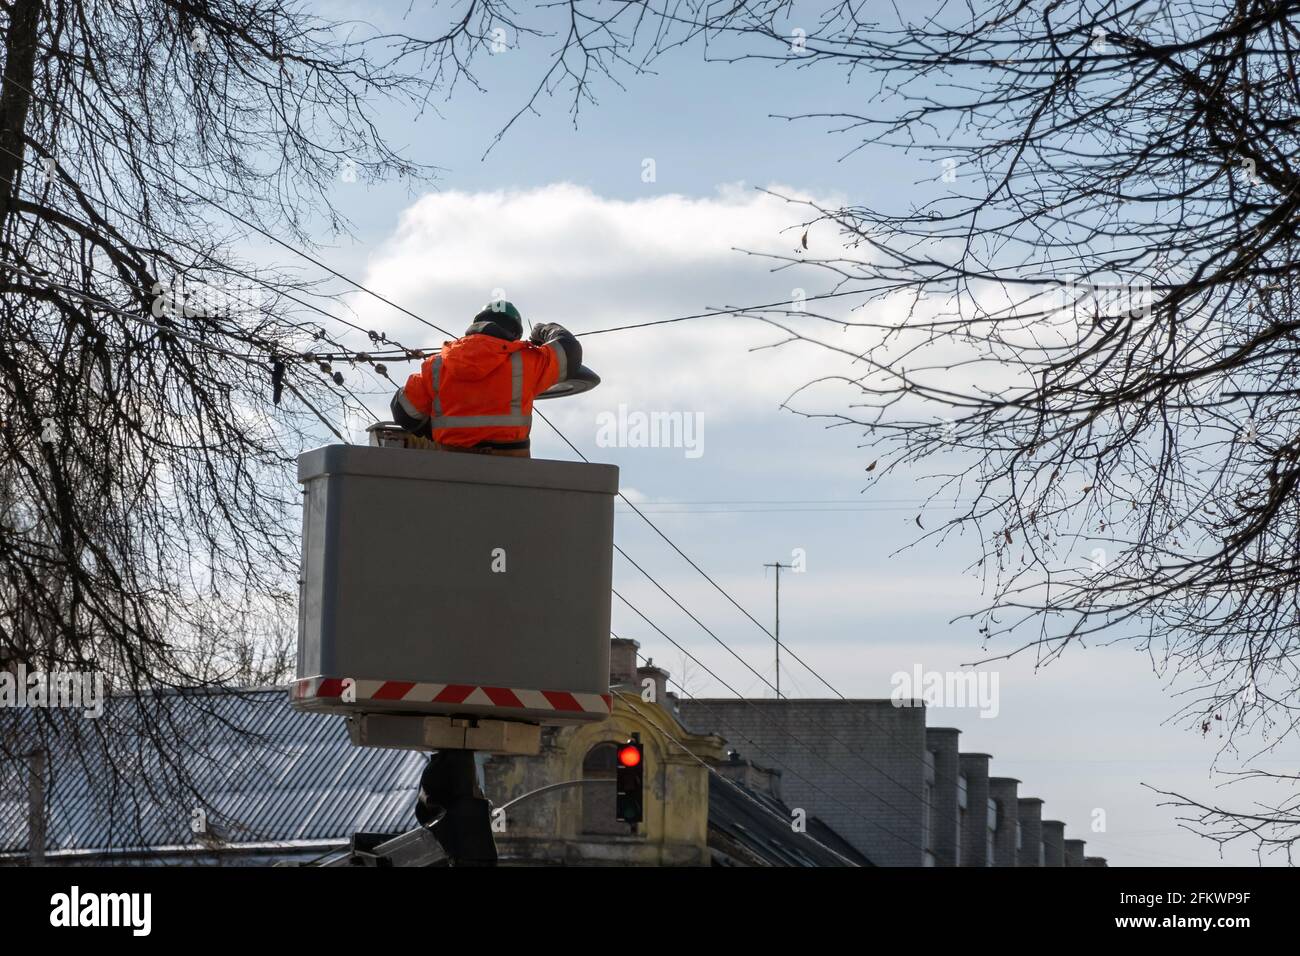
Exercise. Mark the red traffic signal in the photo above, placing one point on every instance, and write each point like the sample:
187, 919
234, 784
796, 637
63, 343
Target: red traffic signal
629, 782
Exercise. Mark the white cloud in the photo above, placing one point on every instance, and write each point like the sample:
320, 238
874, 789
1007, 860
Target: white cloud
563, 253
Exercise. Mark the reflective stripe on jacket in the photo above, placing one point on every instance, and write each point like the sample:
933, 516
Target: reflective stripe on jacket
480, 388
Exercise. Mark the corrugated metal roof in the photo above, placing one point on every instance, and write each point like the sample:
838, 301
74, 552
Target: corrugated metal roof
266, 772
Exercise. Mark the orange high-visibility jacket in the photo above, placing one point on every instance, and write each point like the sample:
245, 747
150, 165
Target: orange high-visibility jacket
480, 389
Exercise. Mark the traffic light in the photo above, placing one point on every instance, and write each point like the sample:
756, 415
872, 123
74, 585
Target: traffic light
630, 781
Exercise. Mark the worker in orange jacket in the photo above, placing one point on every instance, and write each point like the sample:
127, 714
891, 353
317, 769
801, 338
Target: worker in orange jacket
477, 394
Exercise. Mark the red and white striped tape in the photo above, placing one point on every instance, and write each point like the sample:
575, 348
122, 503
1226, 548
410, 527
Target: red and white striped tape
326, 688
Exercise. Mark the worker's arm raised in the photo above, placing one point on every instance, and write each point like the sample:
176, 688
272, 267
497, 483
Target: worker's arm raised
412, 404
565, 346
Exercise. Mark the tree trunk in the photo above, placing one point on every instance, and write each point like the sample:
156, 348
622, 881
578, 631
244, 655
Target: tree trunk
15, 99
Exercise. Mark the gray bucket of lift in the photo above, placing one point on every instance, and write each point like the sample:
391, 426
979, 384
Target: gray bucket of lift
436, 583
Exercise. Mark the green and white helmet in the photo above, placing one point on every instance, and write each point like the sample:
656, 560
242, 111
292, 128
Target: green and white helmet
504, 314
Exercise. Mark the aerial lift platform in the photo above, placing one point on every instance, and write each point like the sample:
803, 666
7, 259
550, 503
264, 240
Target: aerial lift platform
454, 603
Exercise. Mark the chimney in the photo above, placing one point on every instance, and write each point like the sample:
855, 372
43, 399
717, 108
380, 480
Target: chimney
622, 661
949, 796
674, 705
749, 774
975, 826
659, 681
1074, 852
1053, 843
1030, 815
1004, 791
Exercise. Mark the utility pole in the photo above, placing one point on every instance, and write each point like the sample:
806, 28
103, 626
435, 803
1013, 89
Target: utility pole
36, 808
778, 565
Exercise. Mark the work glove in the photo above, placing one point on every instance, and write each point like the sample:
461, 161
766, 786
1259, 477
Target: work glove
422, 426
546, 332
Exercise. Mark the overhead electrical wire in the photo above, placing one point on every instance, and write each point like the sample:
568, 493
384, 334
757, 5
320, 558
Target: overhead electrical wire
818, 725
344, 354
802, 744
724, 593
106, 306
718, 313
739, 789
777, 762
378, 296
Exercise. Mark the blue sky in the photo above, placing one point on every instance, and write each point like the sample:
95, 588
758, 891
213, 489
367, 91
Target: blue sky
561, 219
